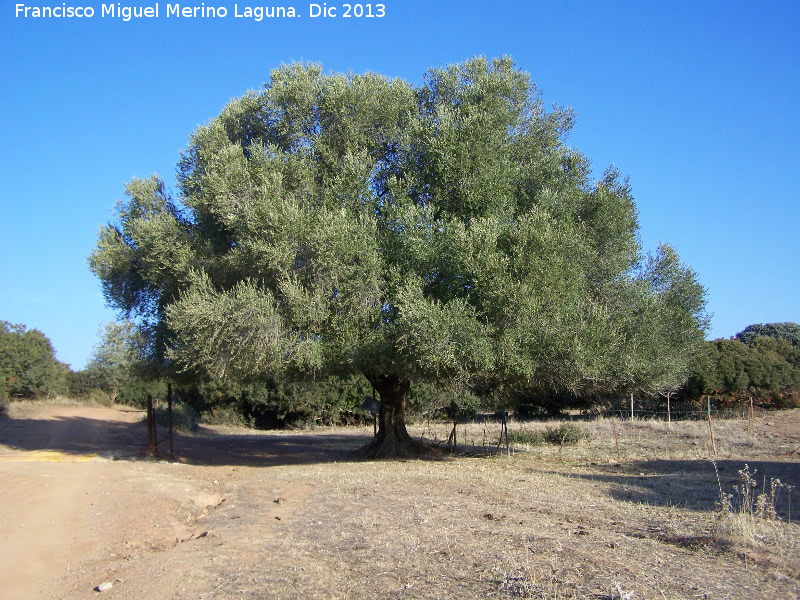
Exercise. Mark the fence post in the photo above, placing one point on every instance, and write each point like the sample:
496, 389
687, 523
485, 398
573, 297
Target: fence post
150, 424
169, 409
616, 440
632, 417
713, 443
505, 429
669, 416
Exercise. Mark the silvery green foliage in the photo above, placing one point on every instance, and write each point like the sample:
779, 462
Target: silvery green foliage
441, 232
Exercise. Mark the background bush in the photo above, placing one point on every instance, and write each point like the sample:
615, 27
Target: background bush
566, 433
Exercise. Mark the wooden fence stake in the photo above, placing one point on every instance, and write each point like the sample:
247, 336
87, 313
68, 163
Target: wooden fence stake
504, 431
669, 416
711, 427
632, 417
616, 439
451, 440
505, 428
752, 422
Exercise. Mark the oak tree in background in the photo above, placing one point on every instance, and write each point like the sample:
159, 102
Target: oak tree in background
341, 224
762, 361
28, 365
786, 331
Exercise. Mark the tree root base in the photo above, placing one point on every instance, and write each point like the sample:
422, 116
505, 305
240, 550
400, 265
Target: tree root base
392, 448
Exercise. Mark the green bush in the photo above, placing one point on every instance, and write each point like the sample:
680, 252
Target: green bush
566, 433
226, 415
523, 436
184, 418
100, 397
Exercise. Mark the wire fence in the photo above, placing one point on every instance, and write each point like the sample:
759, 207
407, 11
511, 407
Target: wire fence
679, 412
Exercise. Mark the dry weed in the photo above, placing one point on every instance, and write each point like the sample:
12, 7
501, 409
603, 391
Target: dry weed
751, 516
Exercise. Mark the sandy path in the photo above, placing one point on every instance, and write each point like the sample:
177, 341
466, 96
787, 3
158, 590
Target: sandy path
47, 518
52, 474
72, 517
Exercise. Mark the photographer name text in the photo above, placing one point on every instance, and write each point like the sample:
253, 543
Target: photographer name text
182, 11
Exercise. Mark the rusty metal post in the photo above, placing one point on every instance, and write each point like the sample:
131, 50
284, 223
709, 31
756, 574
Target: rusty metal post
155, 426
150, 432
169, 410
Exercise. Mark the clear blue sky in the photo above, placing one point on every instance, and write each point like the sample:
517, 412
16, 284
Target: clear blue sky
699, 102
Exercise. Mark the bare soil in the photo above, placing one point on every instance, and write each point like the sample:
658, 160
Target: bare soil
238, 513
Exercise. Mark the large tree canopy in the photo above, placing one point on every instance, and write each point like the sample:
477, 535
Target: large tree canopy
442, 232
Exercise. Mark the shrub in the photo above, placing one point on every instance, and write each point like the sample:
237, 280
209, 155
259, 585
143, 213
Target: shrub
566, 433
184, 418
226, 415
524, 436
98, 396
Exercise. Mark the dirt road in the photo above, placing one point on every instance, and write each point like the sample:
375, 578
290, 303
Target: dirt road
82, 506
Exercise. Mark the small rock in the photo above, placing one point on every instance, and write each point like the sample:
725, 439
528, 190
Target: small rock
104, 587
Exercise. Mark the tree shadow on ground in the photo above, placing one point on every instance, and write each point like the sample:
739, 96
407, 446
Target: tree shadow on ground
262, 449
122, 439
72, 435
696, 484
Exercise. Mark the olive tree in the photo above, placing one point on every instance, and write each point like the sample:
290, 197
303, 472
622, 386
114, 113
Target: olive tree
115, 358
341, 224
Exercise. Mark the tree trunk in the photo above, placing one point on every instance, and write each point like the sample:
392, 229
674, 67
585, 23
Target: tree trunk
392, 440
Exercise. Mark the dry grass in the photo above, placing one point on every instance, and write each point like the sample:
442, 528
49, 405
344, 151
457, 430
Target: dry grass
553, 522
638, 439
